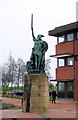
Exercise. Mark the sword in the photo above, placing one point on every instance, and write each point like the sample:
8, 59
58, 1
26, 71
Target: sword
32, 21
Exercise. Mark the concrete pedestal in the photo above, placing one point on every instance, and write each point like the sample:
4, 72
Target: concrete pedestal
39, 93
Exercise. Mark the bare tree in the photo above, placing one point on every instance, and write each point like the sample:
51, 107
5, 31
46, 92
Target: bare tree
5, 77
12, 69
11, 73
0, 76
21, 68
47, 67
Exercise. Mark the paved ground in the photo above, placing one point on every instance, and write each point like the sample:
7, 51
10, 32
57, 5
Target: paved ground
62, 109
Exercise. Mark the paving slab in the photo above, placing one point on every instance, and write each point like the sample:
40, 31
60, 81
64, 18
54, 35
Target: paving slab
63, 108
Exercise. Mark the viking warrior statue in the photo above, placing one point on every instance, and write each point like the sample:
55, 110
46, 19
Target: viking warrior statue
37, 59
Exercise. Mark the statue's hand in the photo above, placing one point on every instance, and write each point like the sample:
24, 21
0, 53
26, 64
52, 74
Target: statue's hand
32, 28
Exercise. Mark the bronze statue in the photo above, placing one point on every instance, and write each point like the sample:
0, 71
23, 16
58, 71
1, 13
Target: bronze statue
37, 59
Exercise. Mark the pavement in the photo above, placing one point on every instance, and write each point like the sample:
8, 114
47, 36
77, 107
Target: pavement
63, 108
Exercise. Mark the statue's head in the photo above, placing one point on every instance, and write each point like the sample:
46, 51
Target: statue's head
40, 36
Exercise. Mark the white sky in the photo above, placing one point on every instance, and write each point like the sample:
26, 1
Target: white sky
77, 11
15, 24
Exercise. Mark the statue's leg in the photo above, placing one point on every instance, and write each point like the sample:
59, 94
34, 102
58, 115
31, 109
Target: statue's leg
36, 62
42, 64
39, 61
43, 61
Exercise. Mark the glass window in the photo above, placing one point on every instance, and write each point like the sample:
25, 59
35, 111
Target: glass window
61, 62
70, 86
70, 61
61, 86
70, 37
77, 35
61, 39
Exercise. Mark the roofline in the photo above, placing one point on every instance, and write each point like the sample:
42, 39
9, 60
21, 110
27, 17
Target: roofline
64, 29
61, 55
61, 80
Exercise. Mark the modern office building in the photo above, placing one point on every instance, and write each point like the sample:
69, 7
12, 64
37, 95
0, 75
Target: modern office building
67, 60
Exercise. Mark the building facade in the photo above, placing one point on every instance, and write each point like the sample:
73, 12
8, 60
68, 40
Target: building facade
67, 60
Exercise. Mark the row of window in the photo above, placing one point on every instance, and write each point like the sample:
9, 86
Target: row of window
61, 86
69, 37
65, 61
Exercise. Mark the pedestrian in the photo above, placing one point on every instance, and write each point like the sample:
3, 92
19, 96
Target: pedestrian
54, 96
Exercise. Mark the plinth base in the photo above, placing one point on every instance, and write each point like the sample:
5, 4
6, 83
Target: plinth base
39, 95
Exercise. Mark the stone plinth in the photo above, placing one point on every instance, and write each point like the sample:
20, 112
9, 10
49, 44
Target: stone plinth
39, 95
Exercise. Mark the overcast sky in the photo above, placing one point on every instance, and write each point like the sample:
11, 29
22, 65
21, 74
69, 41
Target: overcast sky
15, 24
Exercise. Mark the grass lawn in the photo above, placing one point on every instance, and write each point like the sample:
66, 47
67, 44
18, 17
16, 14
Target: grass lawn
0, 88
7, 92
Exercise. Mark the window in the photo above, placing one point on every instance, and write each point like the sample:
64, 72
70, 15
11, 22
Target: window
61, 86
77, 35
77, 57
61, 39
70, 86
70, 37
70, 61
61, 62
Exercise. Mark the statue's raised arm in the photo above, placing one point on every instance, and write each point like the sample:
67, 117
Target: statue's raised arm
33, 35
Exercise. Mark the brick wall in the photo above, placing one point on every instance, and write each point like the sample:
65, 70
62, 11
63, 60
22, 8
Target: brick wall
65, 73
64, 48
76, 47
76, 80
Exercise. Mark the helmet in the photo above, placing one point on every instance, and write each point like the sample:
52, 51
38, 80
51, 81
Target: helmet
40, 36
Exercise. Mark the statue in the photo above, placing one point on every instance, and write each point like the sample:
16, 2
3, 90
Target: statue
37, 59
